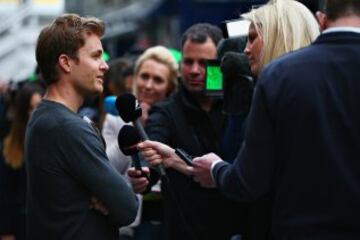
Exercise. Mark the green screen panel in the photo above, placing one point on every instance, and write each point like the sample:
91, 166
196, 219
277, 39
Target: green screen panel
214, 78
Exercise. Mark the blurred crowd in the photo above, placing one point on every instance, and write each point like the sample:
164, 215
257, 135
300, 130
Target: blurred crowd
176, 112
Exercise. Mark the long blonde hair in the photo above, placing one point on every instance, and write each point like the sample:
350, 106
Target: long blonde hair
284, 25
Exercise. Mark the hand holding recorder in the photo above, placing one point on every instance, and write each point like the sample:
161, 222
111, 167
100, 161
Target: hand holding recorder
158, 153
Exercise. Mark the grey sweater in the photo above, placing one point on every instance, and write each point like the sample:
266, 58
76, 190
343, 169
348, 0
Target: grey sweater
67, 165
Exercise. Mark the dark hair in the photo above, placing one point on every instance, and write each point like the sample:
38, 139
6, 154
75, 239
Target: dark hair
118, 68
341, 8
199, 33
14, 142
64, 36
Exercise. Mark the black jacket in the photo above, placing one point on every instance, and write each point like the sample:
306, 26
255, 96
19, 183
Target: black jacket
192, 212
303, 140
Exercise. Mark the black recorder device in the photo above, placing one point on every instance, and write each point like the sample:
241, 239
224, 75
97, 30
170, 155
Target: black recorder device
184, 156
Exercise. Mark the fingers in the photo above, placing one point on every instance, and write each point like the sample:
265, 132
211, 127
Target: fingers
138, 182
97, 205
133, 173
189, 171
139, 185
146, 144
152, 156
160, 148
202, 170
199, 164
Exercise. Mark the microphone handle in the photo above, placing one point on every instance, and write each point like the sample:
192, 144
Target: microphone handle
136, 161
139, 127
144, 136
137, 164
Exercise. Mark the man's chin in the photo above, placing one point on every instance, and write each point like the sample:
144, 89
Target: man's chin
196, 91
96, 91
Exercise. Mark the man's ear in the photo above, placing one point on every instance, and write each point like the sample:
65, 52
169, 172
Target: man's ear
322, 20
65, 63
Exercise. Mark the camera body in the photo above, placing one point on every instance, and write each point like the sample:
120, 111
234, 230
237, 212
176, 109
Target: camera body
230, 76
235, 28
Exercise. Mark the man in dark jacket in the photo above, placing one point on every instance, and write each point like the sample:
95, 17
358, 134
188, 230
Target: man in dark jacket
303, 138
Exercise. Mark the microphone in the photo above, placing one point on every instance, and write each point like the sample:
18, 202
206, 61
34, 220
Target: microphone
238, 83
130, 111
128, 137
109, 105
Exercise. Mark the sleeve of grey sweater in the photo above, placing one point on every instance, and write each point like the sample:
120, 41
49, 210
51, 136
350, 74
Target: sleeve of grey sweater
88, 163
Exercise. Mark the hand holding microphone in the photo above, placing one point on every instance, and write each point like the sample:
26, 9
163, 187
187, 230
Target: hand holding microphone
159, 153
130, 111
153, 152
128, 138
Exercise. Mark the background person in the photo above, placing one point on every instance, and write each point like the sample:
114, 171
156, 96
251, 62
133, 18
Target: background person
12, 166
114, 83
155, 78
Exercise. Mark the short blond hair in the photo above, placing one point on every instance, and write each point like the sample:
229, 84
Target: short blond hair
162, 55
284, 25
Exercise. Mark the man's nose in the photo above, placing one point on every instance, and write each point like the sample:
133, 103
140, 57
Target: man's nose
104, 66
195, 67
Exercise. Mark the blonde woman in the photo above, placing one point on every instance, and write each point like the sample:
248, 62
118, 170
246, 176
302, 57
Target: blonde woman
279, 27
155, 78
156, 74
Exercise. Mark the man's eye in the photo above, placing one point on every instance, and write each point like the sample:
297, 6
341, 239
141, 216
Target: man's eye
188, 62
202, 62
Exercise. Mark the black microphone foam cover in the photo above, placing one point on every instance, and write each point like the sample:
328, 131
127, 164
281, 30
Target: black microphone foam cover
238, 83
127, 139
126, 105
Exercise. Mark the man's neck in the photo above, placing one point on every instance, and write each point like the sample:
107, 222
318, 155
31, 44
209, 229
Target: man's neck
64, 94
350, 21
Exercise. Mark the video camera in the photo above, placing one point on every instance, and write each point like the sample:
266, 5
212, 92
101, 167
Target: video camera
229, 77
